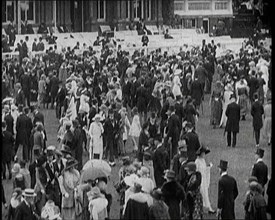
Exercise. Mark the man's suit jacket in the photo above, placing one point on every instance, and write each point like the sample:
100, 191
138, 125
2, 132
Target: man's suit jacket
179, 110
23, 129
38, 117
227, 193
260, 171
20, 98
257, 111
10, 123
233, 113
193, 144
23, 212
58, 168
60, 96
24, 49
25, 81
173, 127
54, 86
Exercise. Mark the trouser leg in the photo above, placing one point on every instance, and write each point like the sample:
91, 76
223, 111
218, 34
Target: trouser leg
234, 139
257, 136
229, 138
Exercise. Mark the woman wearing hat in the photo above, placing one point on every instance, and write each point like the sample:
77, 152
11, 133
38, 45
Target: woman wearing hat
193, 195
216, 104
204, 169
135, 128
267, 121
96, 131
228, 91
16, 199
38, 139
68, 182
242, 91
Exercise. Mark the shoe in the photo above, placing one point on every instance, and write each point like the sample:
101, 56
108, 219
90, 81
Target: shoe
234, 146
268, 143
257, 145
211, 212
228, 146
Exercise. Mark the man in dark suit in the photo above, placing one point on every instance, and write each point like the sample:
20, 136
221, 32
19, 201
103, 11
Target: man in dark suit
78, 143
233, 113
173, 130
179, 110
253, 85
257, 111
68, 137
19, 96
126, 91
26, 208
260, 169
25, 49
8, 119
142, 97
192, 142
25, 81
134, 86
23, 131
40, 46
197, 92
201, 73
160, 161
227, 193
53, 88
60, 97
37, 116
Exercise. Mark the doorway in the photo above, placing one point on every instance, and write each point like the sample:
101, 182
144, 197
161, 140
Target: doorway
76, 15
205, 25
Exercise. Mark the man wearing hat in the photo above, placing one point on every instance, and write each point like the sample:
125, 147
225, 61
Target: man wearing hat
233, 113
26, 209
7, 117
260, 169
78, 143
60, 97
173, 130
160, 160
173, 194
227, 193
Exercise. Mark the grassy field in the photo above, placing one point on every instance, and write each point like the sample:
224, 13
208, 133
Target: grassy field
240, 159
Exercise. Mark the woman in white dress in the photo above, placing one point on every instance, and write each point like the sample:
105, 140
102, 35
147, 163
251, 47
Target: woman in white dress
96, 133
204, 169
176, 90
135, 128
267, 127
228, 90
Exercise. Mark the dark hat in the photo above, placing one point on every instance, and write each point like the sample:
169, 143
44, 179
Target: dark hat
191, 166
232, 96
223, 164
202, 149
189, 125
66, 149
41, 160
158, 138
252, 179
71, 162
147, 155
260, 152
170, 174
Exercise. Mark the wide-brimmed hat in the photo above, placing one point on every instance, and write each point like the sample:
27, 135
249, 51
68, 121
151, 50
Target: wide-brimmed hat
255, 186
71, 162
16, 168
55, 214
144, 171
50, 150
96, 116
223, 164
66, 149
29, 193
94, 193
131, 180
169, 174
252, 179
260, 152
203, 149
157, 194
191, 166
177, 72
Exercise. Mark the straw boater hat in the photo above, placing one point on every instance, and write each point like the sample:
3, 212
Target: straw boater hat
96, 116
29, 193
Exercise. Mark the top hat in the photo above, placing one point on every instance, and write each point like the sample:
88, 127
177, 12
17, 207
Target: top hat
223, 164
260, 152
170, 174
29, 193
203, 149
252, 179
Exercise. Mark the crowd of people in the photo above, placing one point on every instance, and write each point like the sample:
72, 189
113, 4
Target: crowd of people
152, 100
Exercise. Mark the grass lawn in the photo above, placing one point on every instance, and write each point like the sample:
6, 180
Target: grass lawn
240, 160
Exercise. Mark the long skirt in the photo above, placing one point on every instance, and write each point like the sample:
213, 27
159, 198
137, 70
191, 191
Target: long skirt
68, 213
267, 128
195, 205
216, 112
243, 102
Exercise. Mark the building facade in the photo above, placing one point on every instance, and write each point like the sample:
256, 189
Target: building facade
204, 13
82, 15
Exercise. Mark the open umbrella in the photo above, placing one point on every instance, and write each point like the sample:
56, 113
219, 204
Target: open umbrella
92, 173
101, 164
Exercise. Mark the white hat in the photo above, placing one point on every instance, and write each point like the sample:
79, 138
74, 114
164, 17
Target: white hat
96, 116
131, 180
177, 72
29, 193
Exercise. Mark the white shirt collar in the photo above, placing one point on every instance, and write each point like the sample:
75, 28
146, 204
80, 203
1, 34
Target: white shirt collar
259, 159
224, 173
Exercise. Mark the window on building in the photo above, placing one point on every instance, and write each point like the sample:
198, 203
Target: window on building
8, 13
221, 5
101, 10
127, 7
190, 23
179, 5
149, 9
27, 11
138, 8
198, 6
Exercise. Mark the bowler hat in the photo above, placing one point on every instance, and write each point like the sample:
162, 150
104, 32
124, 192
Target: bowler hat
223, 164
260, 152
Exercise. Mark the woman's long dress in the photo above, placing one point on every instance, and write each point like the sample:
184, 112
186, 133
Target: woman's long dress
226, 97
243, 98
205, 181
96, 143
216, 107
68, 181
267, 121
